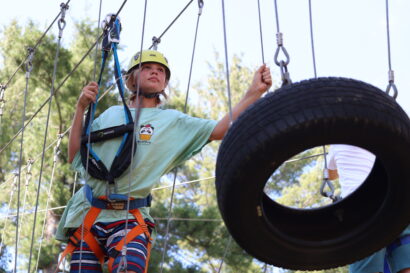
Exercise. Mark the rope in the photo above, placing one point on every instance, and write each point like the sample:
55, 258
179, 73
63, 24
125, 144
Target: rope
57, 89
168, 221
56, 153
29, 67
8, 211
200, 7
61, 26
96, 49
325, 180
225, 252
123, 263
35, 47
391, 84
281, 63
260, 31
311, 38
63, 134
157, 40
226, 64
28, 178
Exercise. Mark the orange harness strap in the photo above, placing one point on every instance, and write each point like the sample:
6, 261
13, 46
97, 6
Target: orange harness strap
84, 231
75, 239
134, 232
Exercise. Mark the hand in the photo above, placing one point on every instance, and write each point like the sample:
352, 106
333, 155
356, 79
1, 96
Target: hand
88, 95
262, 80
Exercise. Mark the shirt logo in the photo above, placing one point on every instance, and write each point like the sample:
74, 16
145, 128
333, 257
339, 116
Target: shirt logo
145, 133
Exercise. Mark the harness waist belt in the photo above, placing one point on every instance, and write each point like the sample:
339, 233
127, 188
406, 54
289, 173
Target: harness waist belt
116, 201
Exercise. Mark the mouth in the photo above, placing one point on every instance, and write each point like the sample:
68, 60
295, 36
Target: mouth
153, 79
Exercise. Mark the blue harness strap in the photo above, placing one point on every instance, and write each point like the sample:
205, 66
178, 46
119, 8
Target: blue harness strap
391, 247
116, 201
89, 158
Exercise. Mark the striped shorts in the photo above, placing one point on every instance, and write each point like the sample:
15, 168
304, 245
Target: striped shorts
108, 235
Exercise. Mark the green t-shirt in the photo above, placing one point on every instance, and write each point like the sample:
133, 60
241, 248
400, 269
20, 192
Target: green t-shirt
165, 139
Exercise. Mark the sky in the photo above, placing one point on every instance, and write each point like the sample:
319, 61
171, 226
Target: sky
350, 36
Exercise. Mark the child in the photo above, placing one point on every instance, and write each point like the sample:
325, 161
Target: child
165, 139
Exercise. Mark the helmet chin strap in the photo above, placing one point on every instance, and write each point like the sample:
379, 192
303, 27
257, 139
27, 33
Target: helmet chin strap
149, 95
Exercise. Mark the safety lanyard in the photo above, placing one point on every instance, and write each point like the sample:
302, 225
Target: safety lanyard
91, 161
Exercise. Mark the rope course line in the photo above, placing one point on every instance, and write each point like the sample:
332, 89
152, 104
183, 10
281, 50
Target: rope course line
228, 85
34, 48
57, 151
62, 135
325, 180
391, 85
61, 26
8, 211
156, 40
283, 64
200, 7
260, 30
29, 67
58, 88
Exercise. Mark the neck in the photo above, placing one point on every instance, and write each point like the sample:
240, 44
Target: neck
143, 102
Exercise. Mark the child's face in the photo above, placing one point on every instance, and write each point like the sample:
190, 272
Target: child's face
153, 77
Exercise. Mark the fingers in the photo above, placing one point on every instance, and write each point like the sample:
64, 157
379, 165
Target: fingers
266, 75
88, 94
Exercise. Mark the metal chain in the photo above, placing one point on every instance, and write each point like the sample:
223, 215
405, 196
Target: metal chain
283, 64
391, 84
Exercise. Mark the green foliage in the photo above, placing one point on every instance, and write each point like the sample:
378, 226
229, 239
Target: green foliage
195, 237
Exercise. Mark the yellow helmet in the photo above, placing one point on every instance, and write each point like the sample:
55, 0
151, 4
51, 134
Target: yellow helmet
149, 56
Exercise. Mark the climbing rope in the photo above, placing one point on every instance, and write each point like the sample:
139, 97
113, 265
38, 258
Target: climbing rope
157, 40
225, 253
200, 7
283, 64
55, 158
58, 88
260, 31
325, 180
13, 188
61, 26
391, 85
228, 85
29, 67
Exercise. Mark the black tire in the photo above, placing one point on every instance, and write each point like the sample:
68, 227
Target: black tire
291, 120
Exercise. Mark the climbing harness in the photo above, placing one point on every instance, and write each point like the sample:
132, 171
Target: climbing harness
112, 202
97, 169
90, 159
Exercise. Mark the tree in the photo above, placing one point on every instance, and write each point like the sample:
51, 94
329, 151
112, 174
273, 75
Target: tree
13, 51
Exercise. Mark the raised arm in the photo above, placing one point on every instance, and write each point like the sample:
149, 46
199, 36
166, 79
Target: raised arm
88, 95
261, 82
